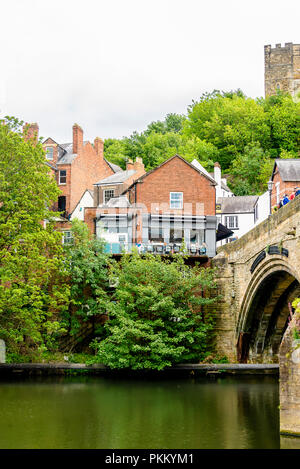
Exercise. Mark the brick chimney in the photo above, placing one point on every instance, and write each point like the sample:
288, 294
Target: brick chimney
77, 138
129, 165
99, 146
138, 165
31, 132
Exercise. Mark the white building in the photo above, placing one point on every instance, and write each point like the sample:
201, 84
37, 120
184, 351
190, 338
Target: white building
242, 213
87, 200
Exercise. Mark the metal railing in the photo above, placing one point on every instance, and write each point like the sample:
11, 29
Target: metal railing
155, 248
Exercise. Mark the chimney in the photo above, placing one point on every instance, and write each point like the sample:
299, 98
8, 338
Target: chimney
31, 132
138, 165
129, 165
77, 138
99, 146
217, 173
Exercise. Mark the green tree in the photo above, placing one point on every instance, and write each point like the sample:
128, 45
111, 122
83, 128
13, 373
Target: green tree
33, 289
87, 266
156, 317
230, 123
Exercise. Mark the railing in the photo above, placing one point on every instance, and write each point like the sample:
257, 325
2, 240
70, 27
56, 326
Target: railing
155, 248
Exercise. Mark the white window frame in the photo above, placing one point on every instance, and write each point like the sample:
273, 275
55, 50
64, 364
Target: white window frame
104, 195
47, 154
67, 237
235, 222
59, 181
176, 200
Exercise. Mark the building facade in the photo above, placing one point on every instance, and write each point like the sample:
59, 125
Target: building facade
162, 211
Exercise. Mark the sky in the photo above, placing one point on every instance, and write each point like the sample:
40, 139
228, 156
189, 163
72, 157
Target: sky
114, 66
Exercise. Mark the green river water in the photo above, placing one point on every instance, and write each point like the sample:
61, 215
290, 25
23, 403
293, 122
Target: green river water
101, 412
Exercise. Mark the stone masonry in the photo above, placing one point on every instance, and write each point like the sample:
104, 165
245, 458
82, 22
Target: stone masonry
289, 361
282, 69
256, 302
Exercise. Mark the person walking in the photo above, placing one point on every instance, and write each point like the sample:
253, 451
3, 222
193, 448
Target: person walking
285, 199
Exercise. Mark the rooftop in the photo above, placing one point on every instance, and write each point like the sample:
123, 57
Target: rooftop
289, 169
238, 204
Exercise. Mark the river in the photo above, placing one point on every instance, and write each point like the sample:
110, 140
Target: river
101, 412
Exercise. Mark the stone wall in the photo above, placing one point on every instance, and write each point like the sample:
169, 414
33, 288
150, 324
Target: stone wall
289, 361
282, 68
237, 283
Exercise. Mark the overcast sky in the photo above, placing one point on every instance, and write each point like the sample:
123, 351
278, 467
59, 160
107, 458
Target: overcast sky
113, 66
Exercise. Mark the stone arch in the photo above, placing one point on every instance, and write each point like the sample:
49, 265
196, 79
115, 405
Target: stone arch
265, 310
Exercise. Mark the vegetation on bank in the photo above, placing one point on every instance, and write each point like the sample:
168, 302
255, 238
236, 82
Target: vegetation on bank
152, 317
244, 135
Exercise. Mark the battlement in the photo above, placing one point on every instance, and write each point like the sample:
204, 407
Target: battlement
282, 68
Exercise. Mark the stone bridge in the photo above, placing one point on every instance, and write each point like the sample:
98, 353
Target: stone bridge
259, 277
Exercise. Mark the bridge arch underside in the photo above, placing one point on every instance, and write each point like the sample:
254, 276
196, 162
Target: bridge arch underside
265, 312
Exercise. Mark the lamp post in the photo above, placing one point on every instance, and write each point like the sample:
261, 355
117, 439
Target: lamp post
270, 188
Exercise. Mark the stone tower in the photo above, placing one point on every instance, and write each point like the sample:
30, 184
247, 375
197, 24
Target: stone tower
282, 69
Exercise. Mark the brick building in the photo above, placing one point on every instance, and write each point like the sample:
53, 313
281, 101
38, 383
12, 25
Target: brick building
282, 69
170, 205
285, 177
77, 166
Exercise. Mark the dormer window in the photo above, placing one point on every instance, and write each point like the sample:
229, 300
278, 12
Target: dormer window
49, 153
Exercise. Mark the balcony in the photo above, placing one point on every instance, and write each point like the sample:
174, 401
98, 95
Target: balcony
155, 248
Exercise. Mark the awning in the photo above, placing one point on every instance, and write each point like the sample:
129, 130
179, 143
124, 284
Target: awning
223, 232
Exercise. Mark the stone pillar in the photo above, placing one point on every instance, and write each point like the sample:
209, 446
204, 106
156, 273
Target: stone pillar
2, 351
289, 365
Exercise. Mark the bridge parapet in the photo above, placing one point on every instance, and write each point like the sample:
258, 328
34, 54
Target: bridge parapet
258, 275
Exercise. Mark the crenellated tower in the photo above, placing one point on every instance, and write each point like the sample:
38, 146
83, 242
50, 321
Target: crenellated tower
282, 69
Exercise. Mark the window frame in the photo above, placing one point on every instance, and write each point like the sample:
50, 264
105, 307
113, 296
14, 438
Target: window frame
69, 238
59, 177
104, 195
47, 153
178, 200
236, 222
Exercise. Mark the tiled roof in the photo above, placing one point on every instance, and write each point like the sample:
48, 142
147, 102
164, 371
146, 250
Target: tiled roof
289, 169
238, 204
117, 178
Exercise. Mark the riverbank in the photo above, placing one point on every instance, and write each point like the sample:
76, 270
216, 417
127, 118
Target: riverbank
98, 369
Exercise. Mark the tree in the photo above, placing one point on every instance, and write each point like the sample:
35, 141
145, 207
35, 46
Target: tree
87, 266
156, 317
229, 122
33, 289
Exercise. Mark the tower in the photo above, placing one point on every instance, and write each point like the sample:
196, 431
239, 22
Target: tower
282, 69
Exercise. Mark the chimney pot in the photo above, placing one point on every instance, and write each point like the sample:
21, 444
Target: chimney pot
31, 132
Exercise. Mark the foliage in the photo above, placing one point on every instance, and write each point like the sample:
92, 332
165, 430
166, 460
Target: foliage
87, 267
33, 290
156, 317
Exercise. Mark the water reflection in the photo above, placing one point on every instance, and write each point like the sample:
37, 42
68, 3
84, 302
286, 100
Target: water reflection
93, 412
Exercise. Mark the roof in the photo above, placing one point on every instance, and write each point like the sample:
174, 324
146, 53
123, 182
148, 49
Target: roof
223, 185
238, 204
66, 155
117, 178
202, 170
121, 201
207, 176
289, 169
113, 166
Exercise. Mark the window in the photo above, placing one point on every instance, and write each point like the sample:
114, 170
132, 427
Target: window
49, 153
231, 222
67, 237
176, 199
61, 203
108, 194
62, 176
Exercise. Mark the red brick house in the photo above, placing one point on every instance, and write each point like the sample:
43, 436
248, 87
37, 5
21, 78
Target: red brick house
286, 177
172, 204
77, 167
